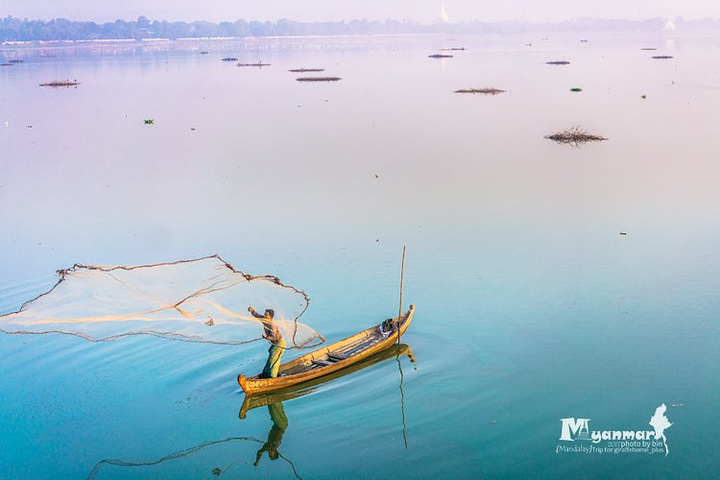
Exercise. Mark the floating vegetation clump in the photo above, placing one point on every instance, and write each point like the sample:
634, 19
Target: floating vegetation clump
258, 64
439, 55
485, 91
61, 83
317, 79
662, 57
576, 89
306, 70
574, 136
229, 59
558, 62
149, 121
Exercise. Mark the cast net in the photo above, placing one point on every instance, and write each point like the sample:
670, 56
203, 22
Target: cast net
202, 300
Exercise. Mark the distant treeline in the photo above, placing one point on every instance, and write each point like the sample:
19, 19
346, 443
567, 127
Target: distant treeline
15, 29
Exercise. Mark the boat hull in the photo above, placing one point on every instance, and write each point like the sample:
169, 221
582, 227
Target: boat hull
296, 391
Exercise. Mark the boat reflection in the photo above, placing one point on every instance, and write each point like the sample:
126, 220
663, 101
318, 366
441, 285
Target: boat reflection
273, 401
261, 400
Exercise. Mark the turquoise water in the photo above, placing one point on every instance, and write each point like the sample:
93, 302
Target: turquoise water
531, 307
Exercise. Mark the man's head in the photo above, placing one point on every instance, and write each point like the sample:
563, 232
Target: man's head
270, 313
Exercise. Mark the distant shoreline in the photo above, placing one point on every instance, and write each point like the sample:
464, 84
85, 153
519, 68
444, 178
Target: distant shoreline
140, 41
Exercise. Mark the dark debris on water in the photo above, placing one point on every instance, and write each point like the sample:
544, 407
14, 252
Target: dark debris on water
317, 79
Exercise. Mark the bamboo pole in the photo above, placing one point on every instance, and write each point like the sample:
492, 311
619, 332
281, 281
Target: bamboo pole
402, 274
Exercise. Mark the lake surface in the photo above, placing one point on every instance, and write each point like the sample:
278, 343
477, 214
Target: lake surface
530, 304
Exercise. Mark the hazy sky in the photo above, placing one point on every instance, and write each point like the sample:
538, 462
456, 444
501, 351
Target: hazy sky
424, 11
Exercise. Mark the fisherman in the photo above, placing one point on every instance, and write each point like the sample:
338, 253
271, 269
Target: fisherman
272, 334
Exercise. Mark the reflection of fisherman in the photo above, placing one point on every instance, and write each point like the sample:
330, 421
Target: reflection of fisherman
271, 334
280, 423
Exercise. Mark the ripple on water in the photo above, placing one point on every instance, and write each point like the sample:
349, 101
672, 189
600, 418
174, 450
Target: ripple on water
12, 297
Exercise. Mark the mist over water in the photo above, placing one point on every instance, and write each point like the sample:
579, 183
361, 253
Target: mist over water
530, 304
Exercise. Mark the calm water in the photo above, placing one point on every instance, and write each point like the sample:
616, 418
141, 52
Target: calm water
531, 307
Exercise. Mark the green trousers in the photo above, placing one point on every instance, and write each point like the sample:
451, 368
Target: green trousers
272, 366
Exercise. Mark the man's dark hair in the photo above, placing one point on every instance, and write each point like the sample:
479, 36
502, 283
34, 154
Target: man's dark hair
270, 312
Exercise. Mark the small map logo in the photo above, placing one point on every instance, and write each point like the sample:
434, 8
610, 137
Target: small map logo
660, 423
615, 441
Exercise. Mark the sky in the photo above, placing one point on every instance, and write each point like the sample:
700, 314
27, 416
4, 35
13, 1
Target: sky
423, 11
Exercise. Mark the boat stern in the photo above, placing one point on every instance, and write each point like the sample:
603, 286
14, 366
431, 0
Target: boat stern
243, 382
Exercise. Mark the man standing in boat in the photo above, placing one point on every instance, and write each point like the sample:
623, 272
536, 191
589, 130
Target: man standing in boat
272, 334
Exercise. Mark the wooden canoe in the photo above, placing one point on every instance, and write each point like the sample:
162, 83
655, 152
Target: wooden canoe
327, 359
264, 399
300, 390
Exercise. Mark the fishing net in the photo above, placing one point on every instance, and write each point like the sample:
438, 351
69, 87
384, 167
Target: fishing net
202, 300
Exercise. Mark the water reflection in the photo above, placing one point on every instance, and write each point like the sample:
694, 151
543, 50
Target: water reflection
215, 458
223, 456
276, 410
275, 435
103, 469
274, 439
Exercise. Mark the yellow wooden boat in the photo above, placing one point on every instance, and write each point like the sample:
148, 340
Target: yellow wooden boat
329, 359
297, 391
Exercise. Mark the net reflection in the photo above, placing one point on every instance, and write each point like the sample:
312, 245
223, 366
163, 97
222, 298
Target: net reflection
187, 463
